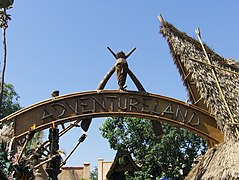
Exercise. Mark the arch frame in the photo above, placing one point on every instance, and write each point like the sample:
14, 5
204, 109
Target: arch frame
109, 103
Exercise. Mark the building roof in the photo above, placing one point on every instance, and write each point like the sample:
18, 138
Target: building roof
122, 165
213, 84
197, 75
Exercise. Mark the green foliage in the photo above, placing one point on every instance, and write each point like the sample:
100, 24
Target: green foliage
4, 18
10, 169
34, 143
8, 166
170, 156
94, 174
10, 101
5, 164
6, 4
9, 106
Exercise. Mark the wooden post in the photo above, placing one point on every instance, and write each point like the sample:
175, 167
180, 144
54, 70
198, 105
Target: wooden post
215, 77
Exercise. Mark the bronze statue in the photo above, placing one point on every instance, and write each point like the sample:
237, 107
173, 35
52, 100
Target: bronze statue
121, 67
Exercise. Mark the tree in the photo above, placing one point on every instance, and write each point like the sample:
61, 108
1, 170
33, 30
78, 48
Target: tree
8, 165
168, 157
94, 174
11, 165
4, 18
10, 101
10, 104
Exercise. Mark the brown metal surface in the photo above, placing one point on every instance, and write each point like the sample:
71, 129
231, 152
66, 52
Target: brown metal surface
108, 103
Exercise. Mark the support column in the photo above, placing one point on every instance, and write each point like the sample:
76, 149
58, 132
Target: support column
100, 169
86, 171
53, 167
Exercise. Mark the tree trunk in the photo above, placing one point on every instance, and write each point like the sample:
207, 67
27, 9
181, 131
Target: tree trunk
4, 27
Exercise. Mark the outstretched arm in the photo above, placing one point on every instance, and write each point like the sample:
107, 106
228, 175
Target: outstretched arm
112, 52
130, 53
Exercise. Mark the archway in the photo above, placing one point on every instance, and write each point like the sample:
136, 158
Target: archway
108, 103
83, 106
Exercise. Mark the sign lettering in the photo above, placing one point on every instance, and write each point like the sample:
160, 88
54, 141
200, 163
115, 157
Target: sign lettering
115, 103
121, 103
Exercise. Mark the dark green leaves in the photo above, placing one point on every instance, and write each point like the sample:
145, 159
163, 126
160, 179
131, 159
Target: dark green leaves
10, 101
6, 4
170, 156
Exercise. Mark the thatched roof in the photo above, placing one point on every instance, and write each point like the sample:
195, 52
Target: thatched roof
221, 161
128, 164
199, 80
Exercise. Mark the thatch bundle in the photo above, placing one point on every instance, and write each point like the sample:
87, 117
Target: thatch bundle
220, 162
12, 150
207, 91
6, 133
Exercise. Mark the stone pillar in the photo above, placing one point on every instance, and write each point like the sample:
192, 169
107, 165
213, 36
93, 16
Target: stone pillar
100, 169
86, 171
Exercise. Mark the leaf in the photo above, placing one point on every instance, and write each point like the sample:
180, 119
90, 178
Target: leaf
158, 157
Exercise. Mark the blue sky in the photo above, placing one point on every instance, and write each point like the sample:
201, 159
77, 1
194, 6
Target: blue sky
61, 44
